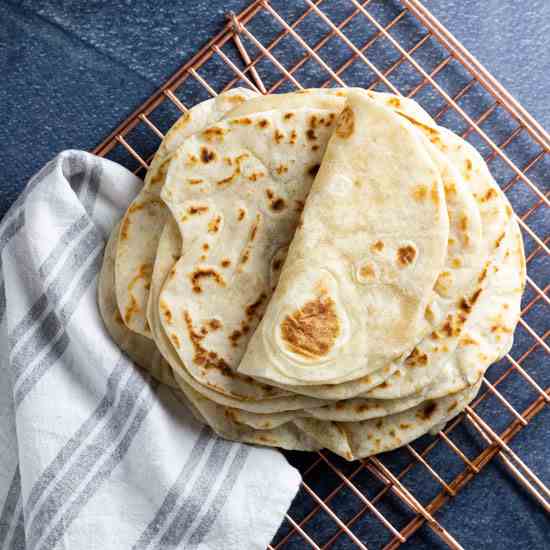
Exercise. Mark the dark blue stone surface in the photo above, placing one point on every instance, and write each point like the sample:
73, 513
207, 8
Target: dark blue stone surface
71, 71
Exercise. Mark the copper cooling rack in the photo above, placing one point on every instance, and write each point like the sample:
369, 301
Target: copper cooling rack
400, 47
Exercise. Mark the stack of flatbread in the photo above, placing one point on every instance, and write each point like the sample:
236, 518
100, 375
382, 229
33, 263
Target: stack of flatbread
321, 269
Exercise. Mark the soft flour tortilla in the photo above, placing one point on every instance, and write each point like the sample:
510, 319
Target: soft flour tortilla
495, 213
346, 290
141, 351
236, 191
146, 215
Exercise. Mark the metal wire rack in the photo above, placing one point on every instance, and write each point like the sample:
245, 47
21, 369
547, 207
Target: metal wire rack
401, 47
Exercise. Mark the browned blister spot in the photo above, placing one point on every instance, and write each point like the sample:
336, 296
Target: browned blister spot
468, 165
244, 121
311, 135
293, 137
161, 172
255, 176
468, 341
288, 116
312, 171
234, 338
226, 263
263, 123
394, 102
241, 214
404, 426
213, 134
491, 194
191, 160
214, 224
207, 155
367, 272
228, 179
194, 181
434, 194
427, 411
406, 255
379, 423
214, 324
165, 310
346, 123
299, 206
419, 193
194, 210
275, 203
131, 309
313, 121
456, 263
378, 246
450, 188
205, 273
312, 329
144, 272
236, 98
278, 136
175, 340
254, 308
416, 358
125, 228
277, 264
136, 206
281, 169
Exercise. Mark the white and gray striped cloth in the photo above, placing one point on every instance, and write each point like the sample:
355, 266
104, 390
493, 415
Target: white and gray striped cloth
93, 454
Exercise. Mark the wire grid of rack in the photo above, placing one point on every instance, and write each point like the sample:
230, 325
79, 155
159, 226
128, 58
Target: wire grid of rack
399, 47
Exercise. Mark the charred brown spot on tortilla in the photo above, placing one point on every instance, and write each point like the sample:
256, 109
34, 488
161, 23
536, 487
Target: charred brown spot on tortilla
207, 155
131, 309
255, 176
275, 203
416, 358
228, 179
394, 102
293, 137
468, 341
278, 136
313, 170
406, 255
277, 264
213, 134
161, 173
214, 224
144, 272
288, 116
244, 121
118, 317
378, 246
379, 423
313, 121
194, 210
404, 426
312, 329
263, 123
456, 263
427, 411
175, 340
392, 432
235, 337
226, 263
195, 181
330, 119
124, 229
315, 147
491, 194
172, 273
281, 169
311, 135
465, 306
201, 355
434, 193
367, 272
214, 324
191, 160
205, 273
165, 310
241, 214
450, 188
136, 206
253, 308
339, 405
419, 193
346, 123
452, 406
428, 314
299, 206
468, 165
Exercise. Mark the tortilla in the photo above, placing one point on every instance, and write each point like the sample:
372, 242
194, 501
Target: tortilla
146, 215
356, 282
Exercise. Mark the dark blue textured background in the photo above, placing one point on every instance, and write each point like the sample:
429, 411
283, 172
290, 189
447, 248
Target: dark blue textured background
72, 70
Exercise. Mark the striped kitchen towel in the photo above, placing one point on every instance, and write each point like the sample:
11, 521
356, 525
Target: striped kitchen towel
93, 453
